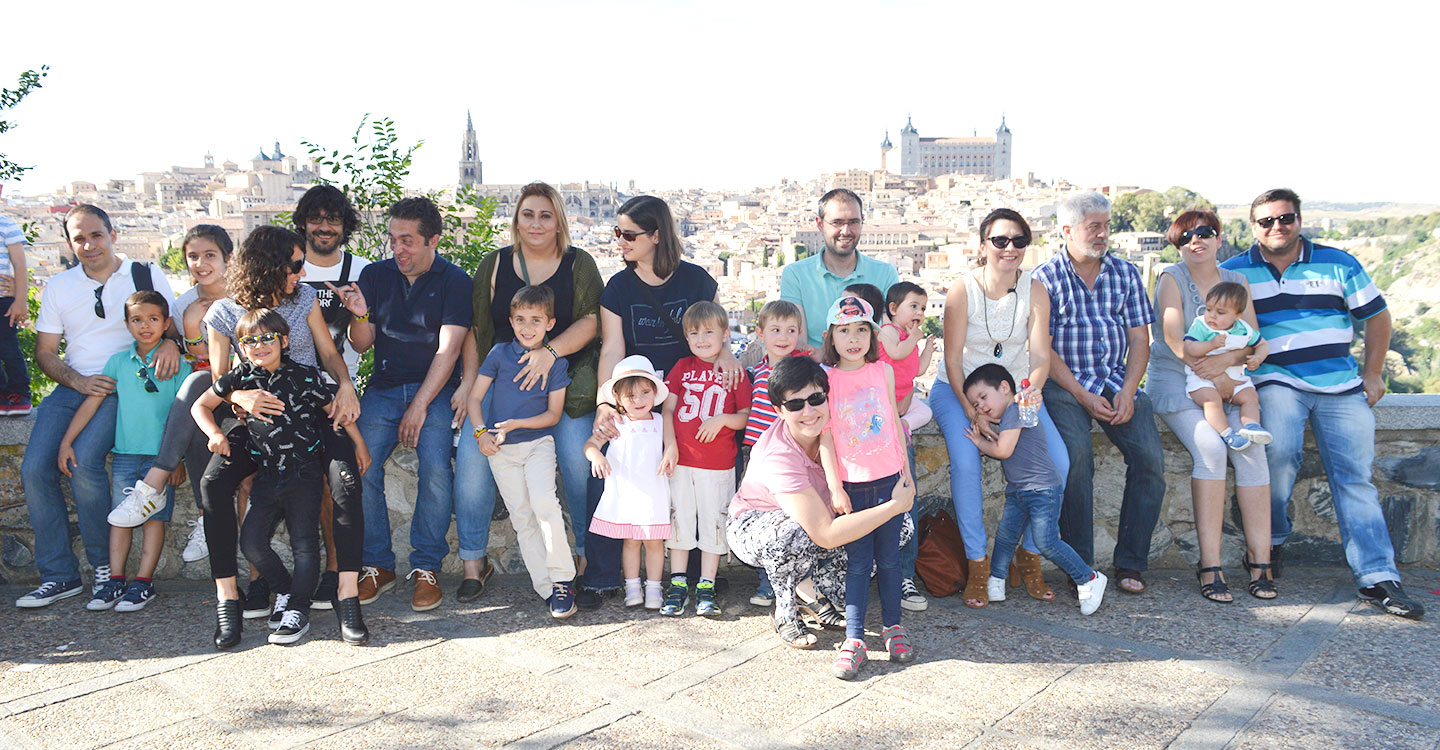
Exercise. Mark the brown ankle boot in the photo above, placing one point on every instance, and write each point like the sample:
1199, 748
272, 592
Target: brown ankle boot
975, 583
1028, 565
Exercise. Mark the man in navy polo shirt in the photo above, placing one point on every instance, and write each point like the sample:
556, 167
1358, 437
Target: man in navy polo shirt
415, 309
1306, 298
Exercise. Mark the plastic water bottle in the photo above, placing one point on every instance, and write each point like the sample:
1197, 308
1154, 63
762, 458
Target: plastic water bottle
1029, 405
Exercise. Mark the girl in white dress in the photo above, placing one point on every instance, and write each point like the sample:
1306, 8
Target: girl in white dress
635, 506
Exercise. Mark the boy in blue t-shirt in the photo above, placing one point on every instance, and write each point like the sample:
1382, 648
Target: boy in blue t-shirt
515, 438
143, 403
1033, 488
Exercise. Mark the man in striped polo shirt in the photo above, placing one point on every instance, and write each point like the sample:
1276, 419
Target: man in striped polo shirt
1306, 298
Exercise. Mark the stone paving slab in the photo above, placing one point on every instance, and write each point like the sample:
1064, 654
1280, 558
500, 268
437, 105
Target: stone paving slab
1314, 669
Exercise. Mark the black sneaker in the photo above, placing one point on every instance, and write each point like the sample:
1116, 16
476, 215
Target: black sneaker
326, 592
228, 623
257, 600
588, 599
1391, 597
294, 624
352, 623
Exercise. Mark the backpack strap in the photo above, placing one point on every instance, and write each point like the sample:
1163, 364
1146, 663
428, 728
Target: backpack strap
140, 274
345, 268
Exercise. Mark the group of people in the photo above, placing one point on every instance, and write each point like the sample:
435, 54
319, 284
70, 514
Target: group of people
624, 398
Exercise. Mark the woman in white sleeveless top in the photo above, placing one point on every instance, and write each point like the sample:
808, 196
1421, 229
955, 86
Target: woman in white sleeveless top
1000, 315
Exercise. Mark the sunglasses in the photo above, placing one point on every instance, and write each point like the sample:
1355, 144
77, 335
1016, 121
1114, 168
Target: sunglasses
144, 374
260, 339
1204, 232
629, 236
99, 306
818, 398
1284, 219
297, 265
1003, 242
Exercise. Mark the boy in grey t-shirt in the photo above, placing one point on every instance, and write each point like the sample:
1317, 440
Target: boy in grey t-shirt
1033, 491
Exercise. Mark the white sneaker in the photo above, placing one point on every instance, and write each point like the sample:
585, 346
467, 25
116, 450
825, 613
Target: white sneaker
633, 597
654, 598
1257, 434
1090, 593
196, 549
911, 598
995, 588
140, 503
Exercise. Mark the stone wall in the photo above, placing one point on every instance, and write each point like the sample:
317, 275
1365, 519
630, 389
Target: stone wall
1407, 472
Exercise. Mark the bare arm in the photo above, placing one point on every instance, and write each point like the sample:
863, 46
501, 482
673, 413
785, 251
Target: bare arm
469, 368
1377, 342
83, 414
47, 356
1002, 447
672, 451
20, 287
1197, 349
830, 462
485, 440
808, 510
1137, 356
1039, 339
612, 350
452, 338
346, 405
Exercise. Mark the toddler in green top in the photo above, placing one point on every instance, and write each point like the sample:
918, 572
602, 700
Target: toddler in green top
143, 403
1218, 329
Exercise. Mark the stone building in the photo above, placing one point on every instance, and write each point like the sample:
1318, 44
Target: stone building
978, 155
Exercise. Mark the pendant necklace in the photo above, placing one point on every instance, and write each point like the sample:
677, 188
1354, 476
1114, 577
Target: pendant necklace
985, 310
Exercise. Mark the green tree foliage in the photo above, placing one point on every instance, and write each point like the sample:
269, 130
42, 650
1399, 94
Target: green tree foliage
173, 259
932, 327
1149, 211
40, 383
29, 81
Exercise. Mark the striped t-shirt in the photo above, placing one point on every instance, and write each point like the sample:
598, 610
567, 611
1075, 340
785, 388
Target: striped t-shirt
762, 412
10, 234
1307, 314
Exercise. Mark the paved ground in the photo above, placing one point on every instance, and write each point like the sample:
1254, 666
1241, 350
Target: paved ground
1314, 669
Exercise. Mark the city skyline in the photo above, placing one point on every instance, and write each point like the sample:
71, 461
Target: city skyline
688, 96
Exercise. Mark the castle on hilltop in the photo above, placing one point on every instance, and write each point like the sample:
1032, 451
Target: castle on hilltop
978, 155
582, 199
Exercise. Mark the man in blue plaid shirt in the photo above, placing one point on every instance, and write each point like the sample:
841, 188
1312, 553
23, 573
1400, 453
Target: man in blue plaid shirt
1099, 326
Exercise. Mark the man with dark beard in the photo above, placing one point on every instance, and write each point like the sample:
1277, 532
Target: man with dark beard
325, 218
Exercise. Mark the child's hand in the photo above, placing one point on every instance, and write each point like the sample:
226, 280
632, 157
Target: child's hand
669, 460
710, 428
67, 457
928, 346
362, 457
904, 495
840, 501
600, 466
500, 429
1254, 361
177, 477
487, 443
218, 444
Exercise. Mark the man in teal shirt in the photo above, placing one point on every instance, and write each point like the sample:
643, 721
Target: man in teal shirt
816, 282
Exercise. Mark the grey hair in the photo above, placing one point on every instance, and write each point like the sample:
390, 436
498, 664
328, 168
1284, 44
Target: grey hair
1073, 209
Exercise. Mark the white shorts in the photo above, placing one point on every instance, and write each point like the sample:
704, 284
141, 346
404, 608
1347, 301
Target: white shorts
699, 503
1194, 382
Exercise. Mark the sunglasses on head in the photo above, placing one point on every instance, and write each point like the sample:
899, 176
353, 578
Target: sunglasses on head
144, 374
1284, 219
817, 398
1003, 242
629, 236
1204, 232
260, 339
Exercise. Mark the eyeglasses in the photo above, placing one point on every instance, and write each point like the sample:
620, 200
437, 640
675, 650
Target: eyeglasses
1204, 232
333, 221
817, 398
144, 374
1002, 242
629, 236
99, 306
1284, 219
260, 339
851, 223
297, 265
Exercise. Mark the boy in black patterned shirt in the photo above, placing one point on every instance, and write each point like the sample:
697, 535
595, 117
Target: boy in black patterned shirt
287, 449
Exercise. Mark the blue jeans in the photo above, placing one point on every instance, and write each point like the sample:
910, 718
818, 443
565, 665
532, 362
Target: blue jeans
1344, 429
40, 476
15, 372
1139, 443
381, 410
880, 550
475, 490
1037, 512
965, 466
128, 468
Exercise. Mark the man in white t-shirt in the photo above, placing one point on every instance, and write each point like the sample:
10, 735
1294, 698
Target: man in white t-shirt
84, 306
325, 218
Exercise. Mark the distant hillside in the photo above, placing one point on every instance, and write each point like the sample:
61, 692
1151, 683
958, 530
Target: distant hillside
1406, 266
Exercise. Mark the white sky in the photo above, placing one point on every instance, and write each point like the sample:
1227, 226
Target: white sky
1335, 100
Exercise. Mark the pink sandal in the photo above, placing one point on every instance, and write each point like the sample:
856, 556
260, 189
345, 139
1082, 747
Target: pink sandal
897, 642
851, 658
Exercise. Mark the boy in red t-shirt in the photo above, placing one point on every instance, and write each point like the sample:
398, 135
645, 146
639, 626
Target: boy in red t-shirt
701, 419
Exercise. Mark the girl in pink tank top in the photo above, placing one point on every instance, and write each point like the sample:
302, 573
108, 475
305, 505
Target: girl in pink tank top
863, 453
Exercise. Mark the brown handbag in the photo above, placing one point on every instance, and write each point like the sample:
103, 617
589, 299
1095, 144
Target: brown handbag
941, 562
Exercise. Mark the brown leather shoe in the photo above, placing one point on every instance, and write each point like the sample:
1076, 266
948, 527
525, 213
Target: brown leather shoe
427, 594
374, 582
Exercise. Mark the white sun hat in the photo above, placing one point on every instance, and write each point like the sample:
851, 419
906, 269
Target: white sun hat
636, 365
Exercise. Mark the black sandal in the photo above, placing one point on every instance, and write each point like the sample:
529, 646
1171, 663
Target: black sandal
1264, 586
1216, 587
824, 614
795, 634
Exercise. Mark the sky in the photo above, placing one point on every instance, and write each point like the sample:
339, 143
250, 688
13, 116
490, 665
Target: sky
1225, 98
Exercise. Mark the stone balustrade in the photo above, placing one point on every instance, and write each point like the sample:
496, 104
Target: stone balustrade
1407, 472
